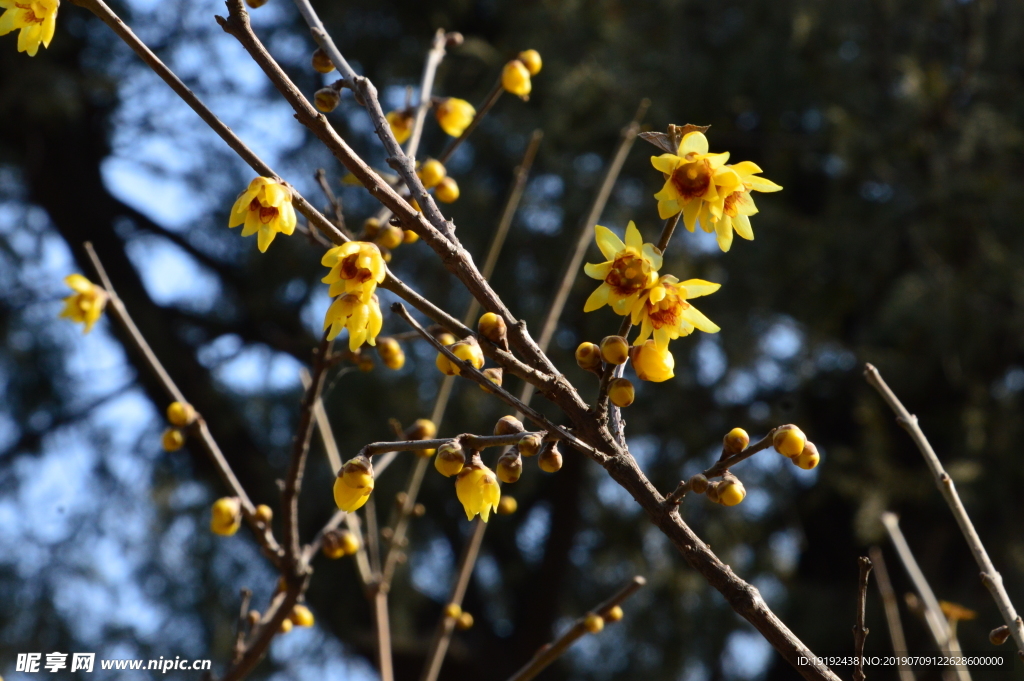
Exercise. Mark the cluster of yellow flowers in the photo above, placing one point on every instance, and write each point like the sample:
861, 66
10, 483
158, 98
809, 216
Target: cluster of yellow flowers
703, 187
356, 269
35, 20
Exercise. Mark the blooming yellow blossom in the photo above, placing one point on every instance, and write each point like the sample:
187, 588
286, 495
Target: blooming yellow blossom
86, 304
690, 178
401, 125
356, 266
226, 516
652, 364
361, 317
36, 20
630, 268
477, 489
454, 115
663, 310
349, 498
734, 205
264, 208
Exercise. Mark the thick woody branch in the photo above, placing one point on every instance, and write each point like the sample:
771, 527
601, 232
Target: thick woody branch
990, 577
860, 632
557, 648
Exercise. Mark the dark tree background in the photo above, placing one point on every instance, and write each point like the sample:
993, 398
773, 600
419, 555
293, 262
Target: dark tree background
894, 126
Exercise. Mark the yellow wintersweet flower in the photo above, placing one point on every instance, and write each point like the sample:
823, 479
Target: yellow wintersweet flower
36, 19
226, 516
477, 489
631, 268
401, 125
356, 266
734, 205
361, 317
690, 178
515, 78
652, 364
663, 310
265, 207
86, 304
353, 487
454, 115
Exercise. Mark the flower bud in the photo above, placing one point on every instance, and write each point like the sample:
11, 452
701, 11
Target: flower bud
652, 364
400, 123
447, 191
614, 349
453, 610
301, 616
808, 458
390, 237
326, 99
450, 459
531, 60
468, 350
421, 429
529, 444
358, 472
454, 115
698, 484
510, 466
286, 625
588, 356
789, 440
508, 425
735, 441
515, 78
445, 338
999, 635
465, 621
593, 623
712, 492
172, 440
492, 327
507, 505
410, 237
255, 4
226, 516
332, 546
431, 173
321, 62
550, 459
495, 375
180, 414
264, 514
620, 392
731, 492
614, 614
370, 228
253, 617
391, 353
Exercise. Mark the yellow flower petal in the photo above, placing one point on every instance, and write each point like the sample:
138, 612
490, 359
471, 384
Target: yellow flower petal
697, 318
741, 223
693, 142
597, 299
609, 244
723, 231
695, 288
598, 271
633, 238
665, 163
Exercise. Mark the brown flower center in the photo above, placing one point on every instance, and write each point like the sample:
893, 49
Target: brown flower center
667, 311
628, 275
692, 179
350, 270
731, 201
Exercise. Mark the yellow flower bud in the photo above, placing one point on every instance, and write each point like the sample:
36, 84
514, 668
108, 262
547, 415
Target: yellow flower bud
620, 392
391, 353
421, 429
588, 356
349, 542
510, 466
415, 205
529, 444
410, 237
431, 173
712, 492
226, 516
507, 505
286, 625
450, 459
264, 514
390, 237
172, 440
614, 614
808, 458
358, 473
736, 440
477, 489
445, 338
400, 123
453, 610
550, 459
731, 492
326, 99
180, 414
495, 375
614, 349
515, 78
350, 498
652, 364
444, 365
508, 425
789, 440
370, 228
468, 350
454, 115
465, 621
301, 616
531, 60
332, 545
447, 191
492, 327
593, 623
321, 62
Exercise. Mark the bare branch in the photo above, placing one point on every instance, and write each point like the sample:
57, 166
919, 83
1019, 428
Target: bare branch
892, 610
489, 101
860, 632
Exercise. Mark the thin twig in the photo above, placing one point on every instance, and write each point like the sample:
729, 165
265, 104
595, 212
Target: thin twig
860, 631
241, 626
434, 58
333, 200
468, 440
667, 231
492, 98
990, 577
556, 648
892, 611
726, 462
